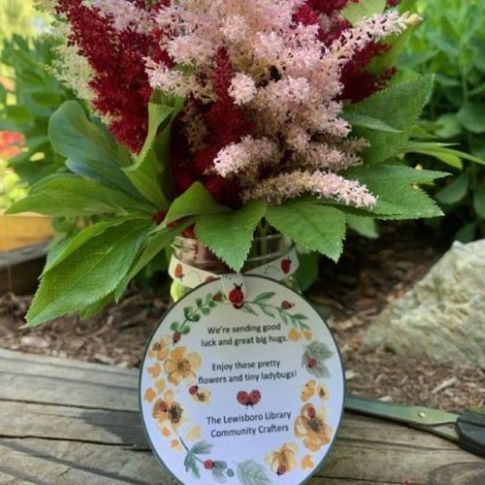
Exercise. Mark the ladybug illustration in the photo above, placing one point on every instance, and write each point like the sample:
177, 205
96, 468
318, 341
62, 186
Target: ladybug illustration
312, 363
242, 398
311, 412
281, 470
193, 390
236, 297
176, 337
209, 464
163, 407
179, 271
286, 305
286, 265
254, 397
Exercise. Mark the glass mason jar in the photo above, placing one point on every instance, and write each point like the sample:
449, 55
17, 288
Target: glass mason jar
264, 250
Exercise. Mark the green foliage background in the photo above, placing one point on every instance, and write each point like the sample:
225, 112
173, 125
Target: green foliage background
451, 44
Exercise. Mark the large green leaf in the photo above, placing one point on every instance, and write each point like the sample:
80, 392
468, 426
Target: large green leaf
67, 195
395, 187
88, 274
472, 117
313, 226
455, 191
194, 201
389, 108
364, 226
89, 149
229, 235
154, 244
146, 172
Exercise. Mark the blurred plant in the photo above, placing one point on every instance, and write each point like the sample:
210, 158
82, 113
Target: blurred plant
452, 45
27, 101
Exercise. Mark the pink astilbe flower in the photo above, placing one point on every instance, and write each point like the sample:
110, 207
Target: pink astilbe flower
325, 185
124, 15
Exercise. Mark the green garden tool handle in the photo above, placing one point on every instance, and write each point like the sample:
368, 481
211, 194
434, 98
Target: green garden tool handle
470, 427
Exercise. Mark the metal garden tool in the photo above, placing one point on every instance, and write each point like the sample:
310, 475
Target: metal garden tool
467, 429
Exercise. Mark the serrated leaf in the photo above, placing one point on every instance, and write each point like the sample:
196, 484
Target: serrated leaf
307, 273
89, 274
80, 197
313, 226
364, 121
455, 191
251, 473
395, 186
229, 235
393, 112
194, 201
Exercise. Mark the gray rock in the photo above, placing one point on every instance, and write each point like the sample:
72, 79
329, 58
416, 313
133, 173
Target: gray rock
443, 316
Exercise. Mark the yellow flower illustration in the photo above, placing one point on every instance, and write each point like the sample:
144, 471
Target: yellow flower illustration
160, 385
180, 365
308, 335
154, 370
200, 394
310, 426
308, 390
149, 395
282, 460
159, 349
194, 433
294, 335
168, 412
307, 463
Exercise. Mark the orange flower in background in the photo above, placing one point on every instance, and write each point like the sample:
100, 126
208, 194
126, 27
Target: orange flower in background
283, 460
10, 144
168, 412
159, 349
310, 426
181, 365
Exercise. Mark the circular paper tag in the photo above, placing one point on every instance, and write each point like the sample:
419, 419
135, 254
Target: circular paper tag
248, 392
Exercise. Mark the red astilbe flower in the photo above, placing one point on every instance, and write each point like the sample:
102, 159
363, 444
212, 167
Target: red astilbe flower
120, 82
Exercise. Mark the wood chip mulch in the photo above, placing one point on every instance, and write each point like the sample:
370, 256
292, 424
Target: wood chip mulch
350, 294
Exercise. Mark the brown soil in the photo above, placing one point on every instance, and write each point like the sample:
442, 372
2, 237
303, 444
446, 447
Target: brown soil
350, 294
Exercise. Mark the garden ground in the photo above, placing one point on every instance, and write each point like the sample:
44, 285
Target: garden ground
350, 295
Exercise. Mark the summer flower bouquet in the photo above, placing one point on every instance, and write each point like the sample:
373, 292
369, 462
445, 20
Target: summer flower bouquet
213, 119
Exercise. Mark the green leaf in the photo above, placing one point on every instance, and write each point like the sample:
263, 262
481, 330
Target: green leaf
90, 150
194, 201
313, 226
146, 173
229, 235
356, 12
190, 464
201, 448
467, 233
67, 195
395, 187
472, 117
307, 273
479, 201
455, 191
153, 245
319, 351
393, 112
363, 121
95, 308
364, 226
262, 297
442, 152
251, 473
61, 251
89, 274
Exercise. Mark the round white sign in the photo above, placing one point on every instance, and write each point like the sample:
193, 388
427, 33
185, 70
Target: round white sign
244, 389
